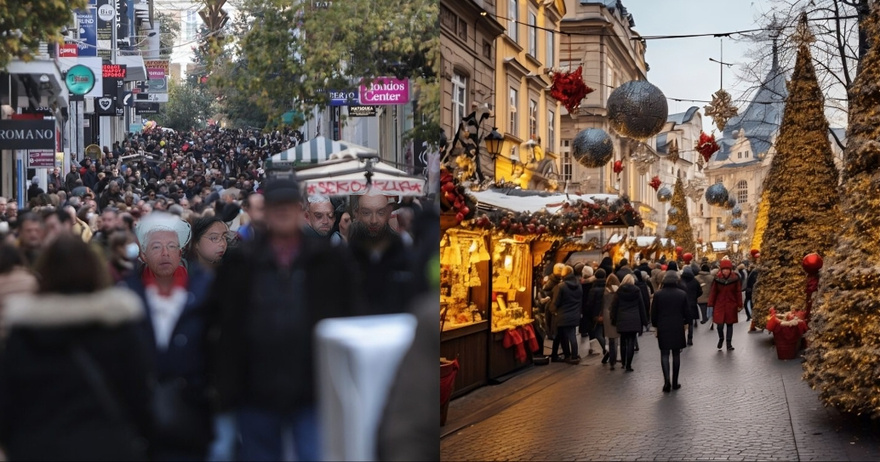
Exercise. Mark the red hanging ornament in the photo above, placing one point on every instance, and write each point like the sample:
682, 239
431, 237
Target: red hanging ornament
655, 182
618, 166
687, 257
707, 145
569, 88
812, 263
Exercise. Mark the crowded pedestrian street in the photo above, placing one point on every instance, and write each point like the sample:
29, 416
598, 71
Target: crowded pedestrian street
733, 405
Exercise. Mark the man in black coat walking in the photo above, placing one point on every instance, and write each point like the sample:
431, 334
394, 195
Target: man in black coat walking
669, 316
268, 296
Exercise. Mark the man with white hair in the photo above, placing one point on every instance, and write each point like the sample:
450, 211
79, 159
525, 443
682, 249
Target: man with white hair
175, 327
320, 217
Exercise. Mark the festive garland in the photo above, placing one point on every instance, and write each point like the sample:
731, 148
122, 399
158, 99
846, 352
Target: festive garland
571, 220
569, 88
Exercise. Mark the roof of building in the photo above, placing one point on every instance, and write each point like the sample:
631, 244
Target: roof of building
677, 119
613, 5
761, 119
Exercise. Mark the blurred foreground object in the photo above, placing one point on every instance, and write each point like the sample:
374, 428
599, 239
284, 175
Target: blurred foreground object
357, 361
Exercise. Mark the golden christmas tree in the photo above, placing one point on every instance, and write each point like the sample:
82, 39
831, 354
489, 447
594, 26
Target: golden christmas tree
844, 354
801, 187
683, 234
761, 221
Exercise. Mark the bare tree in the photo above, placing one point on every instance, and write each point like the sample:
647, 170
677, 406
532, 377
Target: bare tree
839, 45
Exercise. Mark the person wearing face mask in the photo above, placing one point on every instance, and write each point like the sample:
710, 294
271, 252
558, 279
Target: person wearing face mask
123, 255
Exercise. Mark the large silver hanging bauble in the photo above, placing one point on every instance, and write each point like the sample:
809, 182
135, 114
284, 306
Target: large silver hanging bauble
738, 223
592, 148
736, 211
731, 203
664, 194
673, 212
671, 229
637, 109
716, 195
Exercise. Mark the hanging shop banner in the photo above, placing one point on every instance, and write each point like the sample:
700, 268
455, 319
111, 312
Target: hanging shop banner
43, 158
362, 111
106, 13
27, 134
343, 98
88, 32
385, 90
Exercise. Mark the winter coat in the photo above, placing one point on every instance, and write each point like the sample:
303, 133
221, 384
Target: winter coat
184, 361
670, 313
694, 291
608, 298
50, 411
628, 310
607, 265
644, 290
261, 346
569, 301
705, 280
389, 279
552, 286
725, 296
592, 306
751, 281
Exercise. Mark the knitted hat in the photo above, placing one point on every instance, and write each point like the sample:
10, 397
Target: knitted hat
726, 264
587, 272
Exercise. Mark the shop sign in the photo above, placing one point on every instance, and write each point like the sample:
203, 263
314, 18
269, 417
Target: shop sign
385, 90
146, 108
88, 32
80, 79
27, 134
44, 158
343, 98
68, 50
359, 186
114, 71
362, 111
93, 151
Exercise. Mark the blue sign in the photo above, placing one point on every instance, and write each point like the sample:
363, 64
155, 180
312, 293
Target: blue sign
343, 98
88, 32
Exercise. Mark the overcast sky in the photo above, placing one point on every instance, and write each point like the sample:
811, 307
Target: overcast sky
681, 67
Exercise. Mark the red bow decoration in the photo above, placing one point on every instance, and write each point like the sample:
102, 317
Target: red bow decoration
618, 166
707, 145
655, 182
569, 88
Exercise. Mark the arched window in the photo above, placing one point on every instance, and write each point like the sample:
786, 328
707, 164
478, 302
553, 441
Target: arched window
742, 192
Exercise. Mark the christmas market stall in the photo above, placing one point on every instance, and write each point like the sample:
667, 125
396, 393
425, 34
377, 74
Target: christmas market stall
494, 247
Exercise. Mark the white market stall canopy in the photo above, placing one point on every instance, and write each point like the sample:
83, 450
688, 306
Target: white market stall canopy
350, 177
316, 150
719, 246
533, 203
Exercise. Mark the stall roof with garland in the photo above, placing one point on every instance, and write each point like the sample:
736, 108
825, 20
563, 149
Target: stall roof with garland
532, 201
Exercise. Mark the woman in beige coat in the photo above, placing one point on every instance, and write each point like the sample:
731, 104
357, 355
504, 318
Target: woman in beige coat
611, 285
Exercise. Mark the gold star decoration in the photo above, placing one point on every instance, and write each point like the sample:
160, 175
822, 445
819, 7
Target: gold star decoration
721, 109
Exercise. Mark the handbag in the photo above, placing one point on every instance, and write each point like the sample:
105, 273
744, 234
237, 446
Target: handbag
108, 400
178, 421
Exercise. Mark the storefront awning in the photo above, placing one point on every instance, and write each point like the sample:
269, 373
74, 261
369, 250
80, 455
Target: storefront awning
521, 201
135, 70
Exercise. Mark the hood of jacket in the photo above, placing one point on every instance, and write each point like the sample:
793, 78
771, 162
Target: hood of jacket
572, 281
687, 274
720, 279
628, 292
108, 307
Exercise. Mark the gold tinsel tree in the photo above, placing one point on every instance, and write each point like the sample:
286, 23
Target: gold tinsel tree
683, 234
761, 221
843, 358
801, 186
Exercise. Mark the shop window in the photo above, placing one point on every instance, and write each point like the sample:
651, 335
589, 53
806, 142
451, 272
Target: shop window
742, 192
550, 59
551, 131
464, 277
533, 34
459, 98
514, 102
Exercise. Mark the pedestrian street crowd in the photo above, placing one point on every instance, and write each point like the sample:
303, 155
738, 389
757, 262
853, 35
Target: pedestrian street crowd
158, 302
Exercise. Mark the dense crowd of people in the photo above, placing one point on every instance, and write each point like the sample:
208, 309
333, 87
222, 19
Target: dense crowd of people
614, 305
158, 302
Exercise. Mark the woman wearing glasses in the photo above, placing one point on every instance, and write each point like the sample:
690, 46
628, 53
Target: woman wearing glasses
210, 240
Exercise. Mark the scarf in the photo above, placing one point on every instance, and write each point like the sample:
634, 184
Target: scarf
165, 310
180, 277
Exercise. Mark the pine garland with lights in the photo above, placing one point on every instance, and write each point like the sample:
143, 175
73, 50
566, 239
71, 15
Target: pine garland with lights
761, 221
843, 357
802, 190
683, 234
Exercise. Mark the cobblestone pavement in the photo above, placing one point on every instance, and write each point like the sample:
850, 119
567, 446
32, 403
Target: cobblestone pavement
739, 405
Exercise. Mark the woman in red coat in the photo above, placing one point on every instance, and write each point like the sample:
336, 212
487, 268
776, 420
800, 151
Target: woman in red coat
726, 298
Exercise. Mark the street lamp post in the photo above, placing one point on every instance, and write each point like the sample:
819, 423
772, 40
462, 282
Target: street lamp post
493, 141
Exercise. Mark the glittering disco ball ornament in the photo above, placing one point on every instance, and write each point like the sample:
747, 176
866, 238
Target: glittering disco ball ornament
736, 211
673, 212
731, 203
716, 195
738, 223
592, 148
637, 109
664, 194
671, 228
721, 228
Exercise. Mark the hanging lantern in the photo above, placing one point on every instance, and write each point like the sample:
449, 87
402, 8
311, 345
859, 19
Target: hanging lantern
673, 212
716, 195
655, 182
592, 148
664, 194
618, 166
637, 109
736, 211
738, 223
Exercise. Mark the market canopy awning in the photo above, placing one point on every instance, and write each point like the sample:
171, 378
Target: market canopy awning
357, 177
316, 150
531, 201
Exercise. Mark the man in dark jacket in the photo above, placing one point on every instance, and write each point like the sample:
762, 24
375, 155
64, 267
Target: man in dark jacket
694, 291
671, 313
592, 310
568, 308
268, 295
628, 315
750, 289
